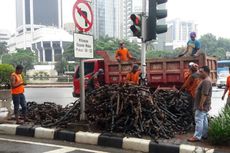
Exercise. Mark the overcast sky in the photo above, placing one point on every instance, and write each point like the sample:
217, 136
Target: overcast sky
212, 16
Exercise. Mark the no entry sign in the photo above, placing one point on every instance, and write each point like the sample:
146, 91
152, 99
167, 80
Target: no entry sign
82, 15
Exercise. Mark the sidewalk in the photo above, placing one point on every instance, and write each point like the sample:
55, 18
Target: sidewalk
178, 144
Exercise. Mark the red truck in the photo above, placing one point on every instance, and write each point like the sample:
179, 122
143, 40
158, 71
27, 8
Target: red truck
161, 72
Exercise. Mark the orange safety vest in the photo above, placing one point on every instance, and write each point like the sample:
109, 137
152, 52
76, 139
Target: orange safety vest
122, 54
191, 86
18, 79
133, 77
228, 84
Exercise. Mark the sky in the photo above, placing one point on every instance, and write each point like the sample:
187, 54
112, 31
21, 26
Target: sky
212, 16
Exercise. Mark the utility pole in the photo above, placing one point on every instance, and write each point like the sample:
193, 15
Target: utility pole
143, 45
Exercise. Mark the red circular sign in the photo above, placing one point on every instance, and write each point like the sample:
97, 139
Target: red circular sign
83, 14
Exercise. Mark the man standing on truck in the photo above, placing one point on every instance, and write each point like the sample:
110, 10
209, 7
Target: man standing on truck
122, 54
193, 46
17, 91
227, 88
202, 105
192, 81
134, 75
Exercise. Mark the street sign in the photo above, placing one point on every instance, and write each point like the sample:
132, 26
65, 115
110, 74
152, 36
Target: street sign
83, 46
82, 15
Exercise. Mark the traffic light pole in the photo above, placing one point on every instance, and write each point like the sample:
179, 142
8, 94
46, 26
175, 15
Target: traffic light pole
143, 48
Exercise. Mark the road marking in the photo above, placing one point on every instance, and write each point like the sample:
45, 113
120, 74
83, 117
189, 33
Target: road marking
63, 149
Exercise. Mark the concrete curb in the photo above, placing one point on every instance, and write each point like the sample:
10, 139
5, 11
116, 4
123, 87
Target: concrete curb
99, 139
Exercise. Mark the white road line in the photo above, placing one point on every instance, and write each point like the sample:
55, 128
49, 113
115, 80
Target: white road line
63, 149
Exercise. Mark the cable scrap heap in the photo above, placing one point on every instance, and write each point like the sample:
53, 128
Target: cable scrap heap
135, 111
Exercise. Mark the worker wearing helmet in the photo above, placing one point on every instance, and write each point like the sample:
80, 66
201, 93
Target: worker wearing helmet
122, 54
192, 81
193, 46
133, 76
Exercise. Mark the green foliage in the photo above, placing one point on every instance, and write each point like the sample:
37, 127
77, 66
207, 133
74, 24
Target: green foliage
107, 44
69, 53
24, 57
111, 45
164, 54
5, 72
60, 66
215, 47
3, 48
219, 128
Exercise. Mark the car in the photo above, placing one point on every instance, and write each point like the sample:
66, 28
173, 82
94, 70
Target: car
221, 80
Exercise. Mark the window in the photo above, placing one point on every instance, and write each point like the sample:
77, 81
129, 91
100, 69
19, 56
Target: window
89, 68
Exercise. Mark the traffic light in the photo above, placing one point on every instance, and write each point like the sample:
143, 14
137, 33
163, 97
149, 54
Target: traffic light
152, 28
136, 27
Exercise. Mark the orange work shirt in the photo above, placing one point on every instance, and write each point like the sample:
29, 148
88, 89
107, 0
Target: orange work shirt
18, 80
228, 84
192, 83
123, 54
134, 77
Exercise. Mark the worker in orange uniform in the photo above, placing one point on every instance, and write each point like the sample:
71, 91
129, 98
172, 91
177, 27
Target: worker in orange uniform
122, 54
227, 88
134, 75
17, 91
192, 81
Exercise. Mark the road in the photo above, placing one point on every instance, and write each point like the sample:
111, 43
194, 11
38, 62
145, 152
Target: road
63, 96
16, 144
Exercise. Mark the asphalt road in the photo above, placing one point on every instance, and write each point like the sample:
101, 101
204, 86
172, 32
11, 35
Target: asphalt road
16, 144
62, 96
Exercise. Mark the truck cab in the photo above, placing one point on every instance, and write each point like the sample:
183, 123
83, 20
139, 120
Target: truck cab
91, 66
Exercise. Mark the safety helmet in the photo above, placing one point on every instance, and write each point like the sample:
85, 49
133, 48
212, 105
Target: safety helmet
121, 42
192, 34
135, 67
193, 66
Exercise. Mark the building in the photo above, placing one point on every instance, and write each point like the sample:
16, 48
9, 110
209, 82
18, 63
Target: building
35, 14
127, 11
178, 33
70, 27
38, 28
4, 36
106, 22
48, 43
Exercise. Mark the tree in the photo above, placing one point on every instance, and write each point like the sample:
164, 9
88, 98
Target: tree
215, 47
24, 57
111, 45
107, 44
60, 66
5, 72
69, 53
3, 48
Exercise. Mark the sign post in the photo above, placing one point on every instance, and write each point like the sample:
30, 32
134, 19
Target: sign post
83, 44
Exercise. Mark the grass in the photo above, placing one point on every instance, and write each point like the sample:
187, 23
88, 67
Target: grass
219, 128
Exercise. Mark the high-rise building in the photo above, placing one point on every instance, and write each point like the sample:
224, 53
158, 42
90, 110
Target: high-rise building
106, 21
178, 32
38, 28
32, 13
4, 36
127, 11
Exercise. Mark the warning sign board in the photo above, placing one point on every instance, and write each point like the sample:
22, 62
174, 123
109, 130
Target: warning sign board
83, 46
83, 15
